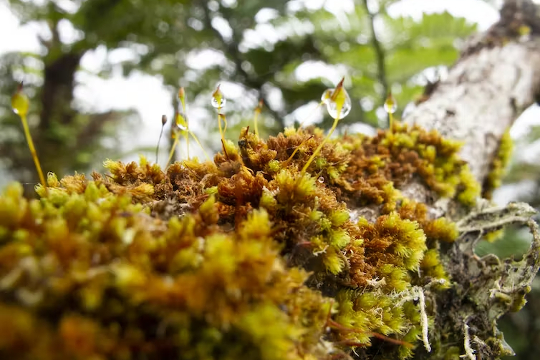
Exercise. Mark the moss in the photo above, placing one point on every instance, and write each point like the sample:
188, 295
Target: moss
499, 165
400, 155
431, 266
242, 257
441, 229
519, 302
155, 271
494, 235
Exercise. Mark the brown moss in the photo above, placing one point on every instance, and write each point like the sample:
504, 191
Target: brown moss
211, 260
399, 156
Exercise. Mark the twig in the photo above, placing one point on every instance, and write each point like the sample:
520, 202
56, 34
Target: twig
379, 52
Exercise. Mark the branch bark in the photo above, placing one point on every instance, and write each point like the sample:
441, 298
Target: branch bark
379, 52
495, 80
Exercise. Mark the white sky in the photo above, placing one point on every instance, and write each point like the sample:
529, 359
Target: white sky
145, 93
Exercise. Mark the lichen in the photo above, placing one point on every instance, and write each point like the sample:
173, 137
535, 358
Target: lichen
243, 257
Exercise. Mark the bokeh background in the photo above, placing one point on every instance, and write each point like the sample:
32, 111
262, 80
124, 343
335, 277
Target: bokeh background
101, 73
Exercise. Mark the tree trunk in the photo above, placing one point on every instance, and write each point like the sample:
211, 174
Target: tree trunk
57, 111
494, 81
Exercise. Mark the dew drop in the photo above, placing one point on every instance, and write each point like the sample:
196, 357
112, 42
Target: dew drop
390, 105
219, 104
320, 180
333, 106
218, 101
181, 122
326, 95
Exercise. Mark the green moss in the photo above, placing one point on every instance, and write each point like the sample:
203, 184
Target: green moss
431, 266
441, 229
499, 165
402, 154
231, 259
109, 244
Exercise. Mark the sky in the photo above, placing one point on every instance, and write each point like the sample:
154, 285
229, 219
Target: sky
146, 94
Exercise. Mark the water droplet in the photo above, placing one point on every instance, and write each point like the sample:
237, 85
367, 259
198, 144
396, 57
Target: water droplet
390, 105
218, 101
326, 95
219, 104
178, 131
320, 180
337, 100
181, 122
337, 104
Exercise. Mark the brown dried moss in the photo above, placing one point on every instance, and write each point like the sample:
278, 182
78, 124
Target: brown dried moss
211, 260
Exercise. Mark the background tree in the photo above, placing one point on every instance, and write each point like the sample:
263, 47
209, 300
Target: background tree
162, 35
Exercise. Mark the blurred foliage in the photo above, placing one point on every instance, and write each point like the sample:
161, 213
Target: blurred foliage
259, 46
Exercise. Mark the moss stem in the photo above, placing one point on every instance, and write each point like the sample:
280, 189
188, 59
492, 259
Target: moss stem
199, 143
159, 140
296, 150
306, 166
220, 129
256, 118
33, 150
187, 123
176, 139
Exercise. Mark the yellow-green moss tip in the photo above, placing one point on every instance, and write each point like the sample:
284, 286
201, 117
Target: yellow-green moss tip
499, 165
403, 153
232, 257
210, 287
494, 235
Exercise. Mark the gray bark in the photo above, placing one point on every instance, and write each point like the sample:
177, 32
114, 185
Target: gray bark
495, 80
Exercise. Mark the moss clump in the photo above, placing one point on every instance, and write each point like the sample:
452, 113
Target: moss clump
239, 258
102, 279
391, 246
400, 155
498, 166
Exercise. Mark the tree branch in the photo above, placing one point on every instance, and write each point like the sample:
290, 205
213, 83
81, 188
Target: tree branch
231, 50
379, 52
496, 79
493, 82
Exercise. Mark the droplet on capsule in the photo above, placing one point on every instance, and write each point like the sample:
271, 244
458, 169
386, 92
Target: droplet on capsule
181, 122
326, 95
320, 180
390, 105
335, 112
337, 100
218, 101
